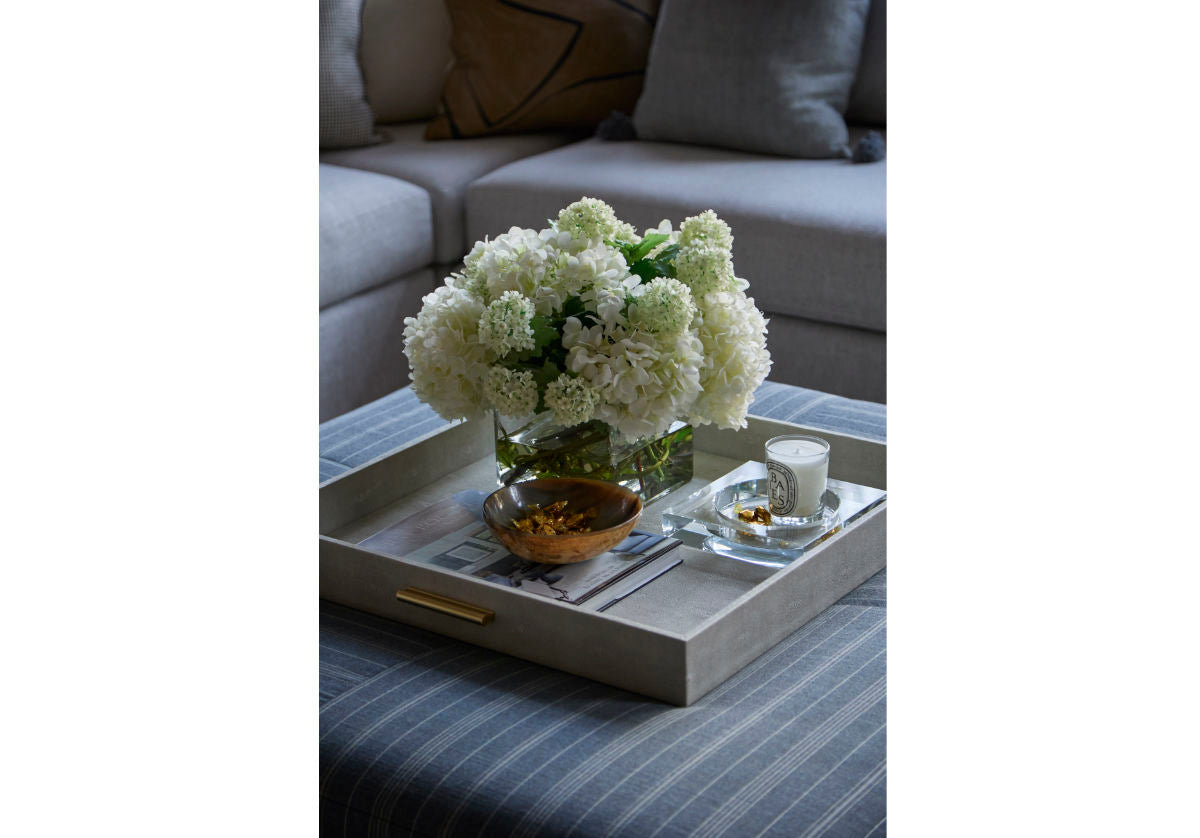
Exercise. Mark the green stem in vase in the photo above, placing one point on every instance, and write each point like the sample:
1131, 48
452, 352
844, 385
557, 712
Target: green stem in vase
648, 467
562, 459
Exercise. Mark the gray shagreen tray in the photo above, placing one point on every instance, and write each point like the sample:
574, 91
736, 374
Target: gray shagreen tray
673, 640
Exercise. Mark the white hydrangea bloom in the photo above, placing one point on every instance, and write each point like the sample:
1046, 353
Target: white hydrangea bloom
644, 382
646, 405
512, 392
477, 252
504, 325
473, 284
575, 332
664, 305
641, 356
736, 361
705, 269
519, 260
573, 400
618, 365
584, 340
599, 277
552, 295
448, 362
556, 238
589, 219
626, 233
706, 229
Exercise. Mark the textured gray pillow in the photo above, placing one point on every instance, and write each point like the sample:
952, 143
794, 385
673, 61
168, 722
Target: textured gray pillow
405, 52
755, 75
345, 116
868, 99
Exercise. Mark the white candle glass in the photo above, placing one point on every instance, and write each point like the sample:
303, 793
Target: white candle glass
797, 471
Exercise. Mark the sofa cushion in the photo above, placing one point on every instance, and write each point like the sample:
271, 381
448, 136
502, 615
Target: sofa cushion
868, 100
542, 65
405, 54
809, 235
757, 75
444, 169
362, 342
824, 356
345, 118
373, 228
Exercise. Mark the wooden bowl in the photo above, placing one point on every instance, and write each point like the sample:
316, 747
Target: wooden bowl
619, 510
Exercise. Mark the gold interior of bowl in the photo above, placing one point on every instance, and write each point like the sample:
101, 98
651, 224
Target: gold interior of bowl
618, 510
615, 504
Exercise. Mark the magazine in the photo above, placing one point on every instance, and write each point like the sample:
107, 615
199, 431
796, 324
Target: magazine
452, 535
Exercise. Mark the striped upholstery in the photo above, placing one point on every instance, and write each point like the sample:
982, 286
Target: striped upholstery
422, 735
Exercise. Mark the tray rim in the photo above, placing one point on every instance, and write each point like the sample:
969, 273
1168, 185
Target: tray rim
774, 578
483, 585
756, 425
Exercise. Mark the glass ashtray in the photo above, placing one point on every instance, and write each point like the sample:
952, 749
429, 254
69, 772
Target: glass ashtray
748, 494
707, 518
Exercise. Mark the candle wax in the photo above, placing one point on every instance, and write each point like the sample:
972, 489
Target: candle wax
798, 470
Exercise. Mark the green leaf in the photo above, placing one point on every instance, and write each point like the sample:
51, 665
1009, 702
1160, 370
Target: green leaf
634, 253
647, 244
572, 307
542, 376
543, 333
546, 373
643, 268
625, 247
664, 262
668, 253
661, 265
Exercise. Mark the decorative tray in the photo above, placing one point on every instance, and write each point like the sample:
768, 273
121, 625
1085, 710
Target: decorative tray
673, 639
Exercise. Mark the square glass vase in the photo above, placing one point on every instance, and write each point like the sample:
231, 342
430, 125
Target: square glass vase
536, 446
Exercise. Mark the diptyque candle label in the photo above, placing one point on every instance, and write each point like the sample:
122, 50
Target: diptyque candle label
782, 488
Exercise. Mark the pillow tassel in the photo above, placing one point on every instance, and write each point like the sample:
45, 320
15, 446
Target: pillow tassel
616, 128
869, 149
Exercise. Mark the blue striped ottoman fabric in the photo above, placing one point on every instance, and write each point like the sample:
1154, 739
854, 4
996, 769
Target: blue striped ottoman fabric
422, 735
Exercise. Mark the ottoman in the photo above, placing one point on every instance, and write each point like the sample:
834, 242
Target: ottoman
424, 735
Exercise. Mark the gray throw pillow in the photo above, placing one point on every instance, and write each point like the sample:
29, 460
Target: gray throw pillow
754, 75
345, 116
868, 99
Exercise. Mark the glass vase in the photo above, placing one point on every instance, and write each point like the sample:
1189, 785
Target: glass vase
536, 446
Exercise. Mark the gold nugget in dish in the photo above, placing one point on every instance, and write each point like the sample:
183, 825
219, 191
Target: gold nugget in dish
555, 519
508, 514
760, 515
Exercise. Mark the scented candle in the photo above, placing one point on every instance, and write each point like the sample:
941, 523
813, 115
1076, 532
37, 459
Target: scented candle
797, 470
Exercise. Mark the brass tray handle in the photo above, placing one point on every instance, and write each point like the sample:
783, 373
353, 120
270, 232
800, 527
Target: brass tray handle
445, 605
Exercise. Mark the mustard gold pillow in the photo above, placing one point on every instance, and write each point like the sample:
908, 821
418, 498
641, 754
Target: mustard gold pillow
529, 65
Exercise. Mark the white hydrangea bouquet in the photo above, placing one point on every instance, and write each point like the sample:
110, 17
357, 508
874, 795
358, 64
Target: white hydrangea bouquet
594, 345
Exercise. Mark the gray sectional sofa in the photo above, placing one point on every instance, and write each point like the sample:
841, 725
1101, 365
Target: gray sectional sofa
393, 224
397, 216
